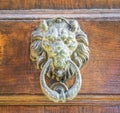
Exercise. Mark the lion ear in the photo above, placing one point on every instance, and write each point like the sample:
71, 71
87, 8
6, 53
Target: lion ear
74, 25
43, 25
37, 34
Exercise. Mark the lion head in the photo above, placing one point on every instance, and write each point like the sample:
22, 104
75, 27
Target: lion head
60, 40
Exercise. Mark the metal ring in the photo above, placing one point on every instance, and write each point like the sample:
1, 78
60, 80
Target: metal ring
51, 94
74, 90
54, 95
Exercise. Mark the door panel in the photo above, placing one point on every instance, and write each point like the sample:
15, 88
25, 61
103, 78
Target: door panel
19, 79
100, 75
59, 109
20, 91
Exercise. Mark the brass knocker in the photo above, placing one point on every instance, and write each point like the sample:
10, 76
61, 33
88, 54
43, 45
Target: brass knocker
59, 49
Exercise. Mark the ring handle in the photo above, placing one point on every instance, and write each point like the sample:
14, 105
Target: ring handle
54, 95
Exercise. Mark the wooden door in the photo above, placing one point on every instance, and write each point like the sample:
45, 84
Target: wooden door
20, 91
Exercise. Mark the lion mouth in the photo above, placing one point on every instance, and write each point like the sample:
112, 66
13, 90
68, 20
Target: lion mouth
60, 66
62, 73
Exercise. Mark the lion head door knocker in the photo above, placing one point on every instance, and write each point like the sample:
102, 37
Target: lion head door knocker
59, 49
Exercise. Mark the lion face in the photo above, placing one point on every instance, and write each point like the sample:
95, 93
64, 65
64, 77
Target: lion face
59, 43
60, 40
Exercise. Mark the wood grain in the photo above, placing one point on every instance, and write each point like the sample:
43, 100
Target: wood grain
102, 100
19, 80
59, 109
21, 109
58, 4
81, 109
100, 76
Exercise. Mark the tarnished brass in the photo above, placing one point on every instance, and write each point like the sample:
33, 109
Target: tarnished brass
59, 49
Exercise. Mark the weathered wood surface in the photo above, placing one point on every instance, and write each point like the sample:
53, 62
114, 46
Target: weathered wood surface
58, 4
59, 109
100, 75
19, 80
96, 100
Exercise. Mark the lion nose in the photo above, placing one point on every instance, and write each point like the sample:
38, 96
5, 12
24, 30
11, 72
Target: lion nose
59, 63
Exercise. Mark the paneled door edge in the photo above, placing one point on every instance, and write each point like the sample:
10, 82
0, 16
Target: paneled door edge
42, 100
82, 14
